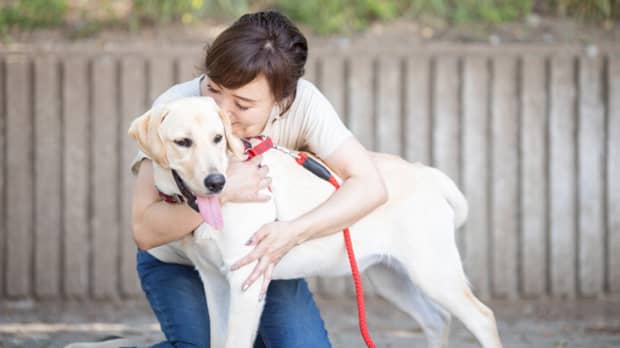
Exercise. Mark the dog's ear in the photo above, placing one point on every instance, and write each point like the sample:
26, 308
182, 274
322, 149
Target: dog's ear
232, 141
145, 130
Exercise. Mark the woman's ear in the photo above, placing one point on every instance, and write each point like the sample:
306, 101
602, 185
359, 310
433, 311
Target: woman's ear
234, 144
145, 130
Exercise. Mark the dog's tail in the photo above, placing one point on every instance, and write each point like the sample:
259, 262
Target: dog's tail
455, 198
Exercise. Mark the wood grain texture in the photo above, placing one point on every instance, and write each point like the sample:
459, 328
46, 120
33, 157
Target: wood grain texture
48, 179
476, 173
504, 200
20, 177
562, 175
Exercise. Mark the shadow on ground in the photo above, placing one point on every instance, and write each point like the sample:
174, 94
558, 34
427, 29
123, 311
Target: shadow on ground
553, 324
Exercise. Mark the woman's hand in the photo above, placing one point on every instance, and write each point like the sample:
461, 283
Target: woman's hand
245, 180
272, 242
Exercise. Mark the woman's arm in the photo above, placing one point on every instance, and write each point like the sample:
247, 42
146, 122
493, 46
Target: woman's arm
156, 222
362, 191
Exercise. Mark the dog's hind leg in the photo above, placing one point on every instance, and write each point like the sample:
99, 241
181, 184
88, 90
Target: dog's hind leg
393, 284
446, 284
461, 302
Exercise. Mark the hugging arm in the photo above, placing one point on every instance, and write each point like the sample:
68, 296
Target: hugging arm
362, 190
156, 222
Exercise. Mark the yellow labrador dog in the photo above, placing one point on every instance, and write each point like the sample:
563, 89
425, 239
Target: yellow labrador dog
406, 247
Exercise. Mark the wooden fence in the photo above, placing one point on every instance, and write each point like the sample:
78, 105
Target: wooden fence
531, 134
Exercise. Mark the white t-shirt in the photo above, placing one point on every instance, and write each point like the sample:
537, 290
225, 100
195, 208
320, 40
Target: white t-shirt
310, 123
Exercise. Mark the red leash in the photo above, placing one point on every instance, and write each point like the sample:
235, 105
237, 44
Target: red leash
319, 170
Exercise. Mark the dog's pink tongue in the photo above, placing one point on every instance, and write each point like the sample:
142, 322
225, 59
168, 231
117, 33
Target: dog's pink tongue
210, 210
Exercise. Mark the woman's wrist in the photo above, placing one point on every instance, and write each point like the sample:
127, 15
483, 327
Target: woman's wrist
301, 229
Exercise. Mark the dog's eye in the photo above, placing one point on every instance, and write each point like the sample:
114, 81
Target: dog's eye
185, 142
217, 138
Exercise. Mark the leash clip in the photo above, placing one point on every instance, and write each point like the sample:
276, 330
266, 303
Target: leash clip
291, 153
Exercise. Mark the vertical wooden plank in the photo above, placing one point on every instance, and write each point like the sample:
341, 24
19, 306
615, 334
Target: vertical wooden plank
189, 68
613, 173
310, 73
332, 86
562, 176
417, 139
360, 100
3, 215
476, 171
75, 186
48, 179
332, 83
591, 129
161, 77
533, 188
132, 94
446, 121
504, 200
104, 221
388, 120
19, 176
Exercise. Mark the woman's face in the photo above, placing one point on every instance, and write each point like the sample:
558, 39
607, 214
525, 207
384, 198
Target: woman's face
248, 106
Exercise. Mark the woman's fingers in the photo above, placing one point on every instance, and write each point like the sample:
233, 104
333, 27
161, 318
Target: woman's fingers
266, 281
260, 268
265, 182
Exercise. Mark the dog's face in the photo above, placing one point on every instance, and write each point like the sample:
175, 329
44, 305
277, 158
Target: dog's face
191, 136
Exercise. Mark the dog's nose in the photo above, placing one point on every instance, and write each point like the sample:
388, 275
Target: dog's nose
215, 182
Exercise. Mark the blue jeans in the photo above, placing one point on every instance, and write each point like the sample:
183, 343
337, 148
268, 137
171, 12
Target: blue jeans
175, 292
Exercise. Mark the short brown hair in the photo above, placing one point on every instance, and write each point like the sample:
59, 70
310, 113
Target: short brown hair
265, 43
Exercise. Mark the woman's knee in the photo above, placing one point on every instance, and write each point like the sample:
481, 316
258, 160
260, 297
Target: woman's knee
291, 317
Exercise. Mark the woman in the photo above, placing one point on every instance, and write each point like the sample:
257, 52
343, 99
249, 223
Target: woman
253, 72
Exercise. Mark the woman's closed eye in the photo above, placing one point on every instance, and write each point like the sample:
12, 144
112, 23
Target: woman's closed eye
241, 107
216, 91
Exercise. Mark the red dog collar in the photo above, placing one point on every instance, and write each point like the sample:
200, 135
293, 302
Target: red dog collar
265, 145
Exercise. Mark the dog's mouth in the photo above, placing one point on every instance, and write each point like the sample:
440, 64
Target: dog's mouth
211, 210
207, 205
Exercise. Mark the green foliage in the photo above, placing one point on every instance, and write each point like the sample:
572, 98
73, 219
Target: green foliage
187, 11
324, 16
30, 14
160, 11
327, 16
462, 11
589, 9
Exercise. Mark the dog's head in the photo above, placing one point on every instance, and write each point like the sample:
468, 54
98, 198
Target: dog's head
192, 137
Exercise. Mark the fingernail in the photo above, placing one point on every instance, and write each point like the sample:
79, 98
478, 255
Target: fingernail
233, 267
248, 242
245, 287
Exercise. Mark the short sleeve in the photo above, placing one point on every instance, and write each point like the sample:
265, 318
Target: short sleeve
323, 130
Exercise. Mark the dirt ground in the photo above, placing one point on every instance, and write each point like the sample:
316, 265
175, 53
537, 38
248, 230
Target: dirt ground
540, 324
